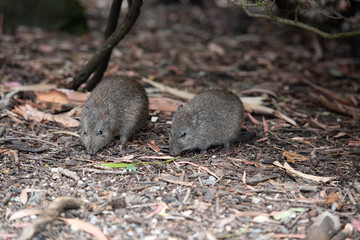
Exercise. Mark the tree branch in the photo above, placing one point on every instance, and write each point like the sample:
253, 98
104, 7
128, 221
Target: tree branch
245, 6
110, 28
106, 47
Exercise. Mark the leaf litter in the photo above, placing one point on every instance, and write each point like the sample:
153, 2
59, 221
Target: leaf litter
307, 110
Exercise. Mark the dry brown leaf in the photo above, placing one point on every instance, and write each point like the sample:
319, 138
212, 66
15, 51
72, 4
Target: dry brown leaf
253, 108
246, 162
253, 120
8, 235
259, 90
153, 146
30, 113
87, 227
201, 167
213, 47
293, 157
244, 181
173, 91
340, 134
172, 179
303, 139
24, 194
291, 170
63, 96
167, 157
164, 104
323, 194
353, 142
25, 212
32, 87
160, 210
53, 96
74, 96
327, 92
319, 124
333, 197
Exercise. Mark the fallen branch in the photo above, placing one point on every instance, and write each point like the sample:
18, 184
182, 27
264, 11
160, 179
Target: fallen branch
51, 213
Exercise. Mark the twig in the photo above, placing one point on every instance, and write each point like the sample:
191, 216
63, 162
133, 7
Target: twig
295, 23
51, 213
28, 138
104, 171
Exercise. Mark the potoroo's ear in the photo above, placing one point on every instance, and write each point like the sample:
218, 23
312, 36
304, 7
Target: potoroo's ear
180, 107
196, 118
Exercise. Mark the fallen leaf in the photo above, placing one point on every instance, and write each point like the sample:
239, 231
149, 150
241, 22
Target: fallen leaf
244, 181
323, 194
53, 96
332, 198
356, 225
8, 235
152, 144
327, 92
340, 134
288, 236
32, 87
25, 212
319, 124
291, 170
262, 219
304, 140
30, 113
167, 157
258, 90
201, 167
253, 120
87, 227
24, 194
293, 157
21, 225
213, 47
160, 210
45, 48
353, 142
172, 179
173, 91
63, 96
164, 104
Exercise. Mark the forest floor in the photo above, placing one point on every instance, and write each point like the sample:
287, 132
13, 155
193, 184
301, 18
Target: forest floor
271, 187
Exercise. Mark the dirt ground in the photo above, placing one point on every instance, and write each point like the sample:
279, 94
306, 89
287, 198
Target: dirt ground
304, 160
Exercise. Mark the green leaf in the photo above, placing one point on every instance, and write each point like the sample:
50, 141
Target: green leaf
131, 168
117, 165
288, 213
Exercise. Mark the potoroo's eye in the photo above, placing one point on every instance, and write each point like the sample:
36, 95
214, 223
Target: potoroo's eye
99, 133
183, 135
84, 133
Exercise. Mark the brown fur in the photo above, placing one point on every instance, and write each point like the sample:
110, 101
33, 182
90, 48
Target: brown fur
213, 117
118, 106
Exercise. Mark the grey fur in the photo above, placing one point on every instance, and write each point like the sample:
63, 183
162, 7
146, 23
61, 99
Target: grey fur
213, 117
118, 106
